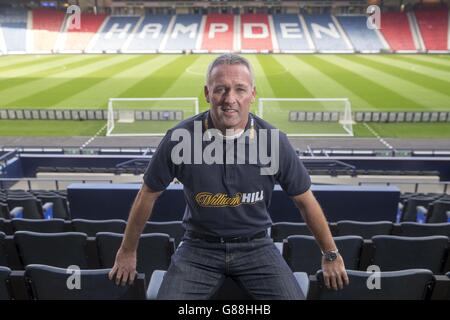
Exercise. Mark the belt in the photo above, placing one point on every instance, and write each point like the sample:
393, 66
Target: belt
196, 235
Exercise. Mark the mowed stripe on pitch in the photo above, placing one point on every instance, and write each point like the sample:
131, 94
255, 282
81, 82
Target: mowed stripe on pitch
97, 96
318, 83
53, 96
21, 92
367, 89
190, 84
36, 67
26, 61
439, 63
391, 93
283, 83
63, 66
404, 72
426, 98
263, 87
413, 66
156, 83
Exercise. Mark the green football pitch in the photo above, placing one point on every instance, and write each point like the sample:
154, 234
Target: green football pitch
370, 82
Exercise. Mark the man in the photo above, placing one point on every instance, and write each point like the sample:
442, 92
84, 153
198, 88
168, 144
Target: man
226, 218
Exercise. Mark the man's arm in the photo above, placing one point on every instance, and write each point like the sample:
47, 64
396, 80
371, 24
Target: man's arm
125, 265
333, 271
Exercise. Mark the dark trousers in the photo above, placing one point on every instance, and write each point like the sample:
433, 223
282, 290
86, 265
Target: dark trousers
198, 269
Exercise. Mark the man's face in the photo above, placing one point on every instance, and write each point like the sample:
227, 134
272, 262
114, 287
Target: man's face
230, 94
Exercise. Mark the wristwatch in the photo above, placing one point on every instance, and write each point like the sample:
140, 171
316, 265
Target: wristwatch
330, 255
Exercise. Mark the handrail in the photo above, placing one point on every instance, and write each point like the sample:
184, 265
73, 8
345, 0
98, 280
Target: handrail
56, 181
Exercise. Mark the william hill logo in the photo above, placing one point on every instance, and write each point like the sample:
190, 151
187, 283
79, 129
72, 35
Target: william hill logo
207, 199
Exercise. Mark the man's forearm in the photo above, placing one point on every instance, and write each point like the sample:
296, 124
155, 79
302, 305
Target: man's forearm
139, 215
315, 219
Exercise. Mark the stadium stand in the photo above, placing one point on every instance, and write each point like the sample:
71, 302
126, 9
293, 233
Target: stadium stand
50, 283
303, 254
43, 226
46, 25
173, 228
255, 33
3, 260
113, 34
362, 38
420, 283
13, 25
326, 34
397, 253
54, 249
397, 32
290, 34
414, 229
365, 230
433, 24
149, 35
218, 33
76, 40
5, 290
281, 230
184, 34
153, 253
92, 227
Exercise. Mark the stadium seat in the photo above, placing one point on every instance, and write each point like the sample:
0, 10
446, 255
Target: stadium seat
438, 212
3, 256
173, 228
410, 208
32, 208
154, 251
5, 290
414, 229
364, 229
398, 253
53, 249
53, 225
92, 227
51, 283
60, 208
2, 225
303, 254
413, 284
281, 230
4, 211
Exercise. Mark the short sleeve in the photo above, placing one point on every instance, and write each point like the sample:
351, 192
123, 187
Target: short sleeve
161, 170
292, 175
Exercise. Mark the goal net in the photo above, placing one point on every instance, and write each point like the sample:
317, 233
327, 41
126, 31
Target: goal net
308, 117
147, 116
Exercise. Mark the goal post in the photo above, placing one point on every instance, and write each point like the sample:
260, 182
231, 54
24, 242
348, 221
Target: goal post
148, 116
315, 117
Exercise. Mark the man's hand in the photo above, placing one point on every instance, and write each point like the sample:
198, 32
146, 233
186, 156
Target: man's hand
334, 273
124, 267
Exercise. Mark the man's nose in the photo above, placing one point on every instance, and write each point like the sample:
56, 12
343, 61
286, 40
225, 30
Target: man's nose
230, 97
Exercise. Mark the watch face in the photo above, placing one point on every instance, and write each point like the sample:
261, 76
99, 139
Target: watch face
331, 256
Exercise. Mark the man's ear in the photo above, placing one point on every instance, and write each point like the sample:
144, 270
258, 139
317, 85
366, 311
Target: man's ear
206, 91
254, 94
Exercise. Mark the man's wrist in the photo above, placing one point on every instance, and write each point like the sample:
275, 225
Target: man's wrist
330, 255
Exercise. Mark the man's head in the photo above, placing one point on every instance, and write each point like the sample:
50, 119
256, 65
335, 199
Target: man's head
230, 91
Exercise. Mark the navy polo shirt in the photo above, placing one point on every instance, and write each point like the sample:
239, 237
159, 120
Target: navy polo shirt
227, 200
